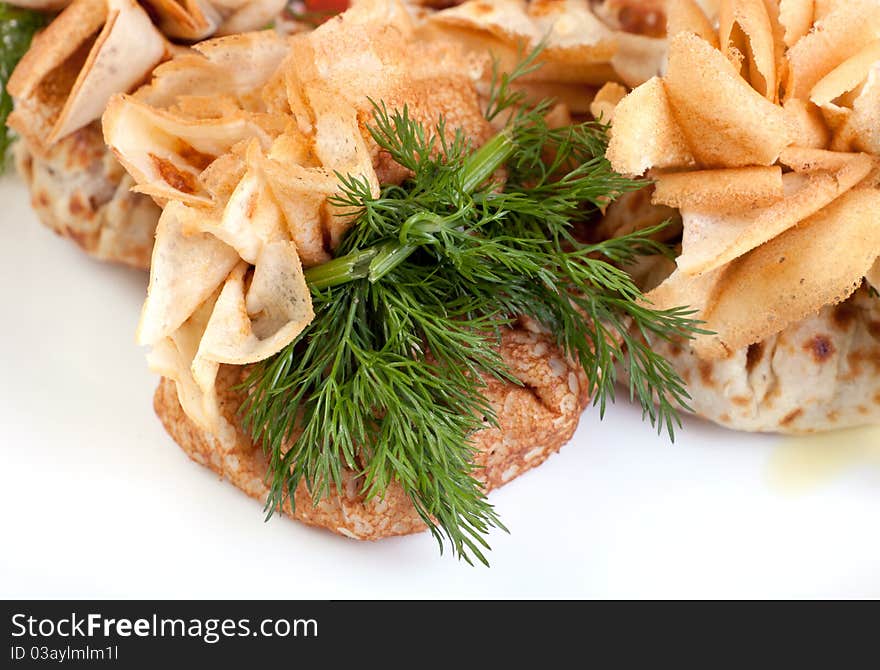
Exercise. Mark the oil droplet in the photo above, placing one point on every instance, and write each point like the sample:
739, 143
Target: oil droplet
801, 464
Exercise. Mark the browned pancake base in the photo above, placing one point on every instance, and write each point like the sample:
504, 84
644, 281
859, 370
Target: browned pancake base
535, 419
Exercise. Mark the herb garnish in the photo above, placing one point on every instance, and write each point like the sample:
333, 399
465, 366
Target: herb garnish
17, 28
387, 379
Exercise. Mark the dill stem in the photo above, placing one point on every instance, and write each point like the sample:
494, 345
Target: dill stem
388, 257
483, 163
355, 265
377, 261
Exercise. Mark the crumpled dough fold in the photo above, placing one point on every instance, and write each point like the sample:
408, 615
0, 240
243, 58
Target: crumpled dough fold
97, 48
764, 135
247, 182
74, 66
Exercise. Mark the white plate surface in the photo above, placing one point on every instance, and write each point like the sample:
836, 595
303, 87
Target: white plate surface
97, 501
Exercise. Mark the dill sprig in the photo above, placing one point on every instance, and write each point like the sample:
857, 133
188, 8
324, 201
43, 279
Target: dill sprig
388, 379
17, 28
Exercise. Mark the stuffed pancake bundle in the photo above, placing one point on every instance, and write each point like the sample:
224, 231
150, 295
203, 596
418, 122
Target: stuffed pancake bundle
246, 161
762, 136
90, 51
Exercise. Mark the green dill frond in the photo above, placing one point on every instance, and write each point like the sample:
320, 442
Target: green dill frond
502, 95
388, 380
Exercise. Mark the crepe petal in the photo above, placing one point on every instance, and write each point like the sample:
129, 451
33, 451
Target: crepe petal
745, 26
794, 275
679, 289
796, 17
166, 153
805, 124
185, 270
720, 189
186, 19
607, 98
177, 357
250, 220
645, 134
861, 130
849, 27
238, 65
688, 16
67, 77
726, 122
250, 325
712, 238
301, 194
341, 149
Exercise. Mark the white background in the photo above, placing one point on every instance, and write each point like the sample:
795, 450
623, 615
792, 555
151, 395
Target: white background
97, 501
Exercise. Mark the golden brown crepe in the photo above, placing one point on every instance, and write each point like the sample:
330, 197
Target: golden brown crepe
73, 67
92, 50
62, 85
761, 135
717, 140
586, 44
240, 143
